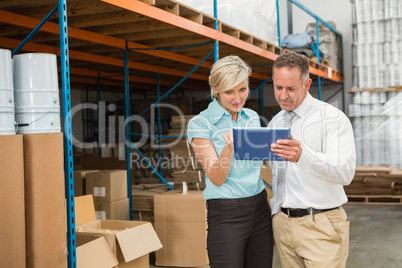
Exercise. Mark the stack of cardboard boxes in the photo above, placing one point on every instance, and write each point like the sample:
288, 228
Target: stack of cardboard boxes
375, 185
143, 200
32, 222
80, 181
186, 167
109, 189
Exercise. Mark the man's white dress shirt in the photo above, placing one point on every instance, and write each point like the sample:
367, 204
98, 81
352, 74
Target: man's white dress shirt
328, 159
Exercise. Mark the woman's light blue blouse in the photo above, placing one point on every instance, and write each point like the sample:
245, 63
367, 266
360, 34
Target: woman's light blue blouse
244, 175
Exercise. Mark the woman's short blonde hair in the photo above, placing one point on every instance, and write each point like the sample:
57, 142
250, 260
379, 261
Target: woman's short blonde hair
227, 73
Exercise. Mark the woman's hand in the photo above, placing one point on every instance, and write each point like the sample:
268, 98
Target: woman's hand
228, 138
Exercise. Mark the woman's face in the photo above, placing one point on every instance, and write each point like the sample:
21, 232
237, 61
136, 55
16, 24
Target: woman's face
234, 99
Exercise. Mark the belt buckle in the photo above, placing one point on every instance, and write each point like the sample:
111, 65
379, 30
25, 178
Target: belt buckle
309, 210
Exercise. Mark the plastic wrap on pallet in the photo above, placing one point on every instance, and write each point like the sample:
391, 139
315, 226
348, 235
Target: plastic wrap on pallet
329, 43
377, 125
377, 42
256, 17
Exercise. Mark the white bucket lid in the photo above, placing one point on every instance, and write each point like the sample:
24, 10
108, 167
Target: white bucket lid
36, 71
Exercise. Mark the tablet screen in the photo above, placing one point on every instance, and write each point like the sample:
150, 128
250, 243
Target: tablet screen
255, 143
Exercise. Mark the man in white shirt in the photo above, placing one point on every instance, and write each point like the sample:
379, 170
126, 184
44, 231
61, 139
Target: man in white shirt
311, 229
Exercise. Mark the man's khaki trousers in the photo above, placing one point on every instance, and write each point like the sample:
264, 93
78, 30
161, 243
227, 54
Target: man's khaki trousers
314, 241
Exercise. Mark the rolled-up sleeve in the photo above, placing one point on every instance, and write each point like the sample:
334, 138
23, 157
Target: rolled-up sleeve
199, 127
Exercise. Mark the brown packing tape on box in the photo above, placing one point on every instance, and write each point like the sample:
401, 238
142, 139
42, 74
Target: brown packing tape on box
46, 239
12, 204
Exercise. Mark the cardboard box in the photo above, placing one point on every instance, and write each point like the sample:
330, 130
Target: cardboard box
93, 161
181, 224
80, 181
116, 210
12, 202
45, 214
107, 185
131, 241
93, 251
139, 215
143, 195
266, 175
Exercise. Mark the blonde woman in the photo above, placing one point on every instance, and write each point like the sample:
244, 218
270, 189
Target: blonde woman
239, 219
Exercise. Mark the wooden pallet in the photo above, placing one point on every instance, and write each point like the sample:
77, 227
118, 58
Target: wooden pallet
375, 199
182, 10
385, 89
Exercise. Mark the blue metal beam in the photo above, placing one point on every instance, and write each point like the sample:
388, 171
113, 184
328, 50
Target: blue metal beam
151, 166
156, 136
159, 126
34, 31
181, 81
170, 111
262, 105
317, 42
67, 134
87, 116
100, 130
317, 54
216, 43
113, 93
278, 25
334, 94
315, 16
343, 85
318, 19
267, 184
128, 130
260, 86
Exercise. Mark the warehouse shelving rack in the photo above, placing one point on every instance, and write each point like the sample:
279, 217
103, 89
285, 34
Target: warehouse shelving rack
317, 51
100, 30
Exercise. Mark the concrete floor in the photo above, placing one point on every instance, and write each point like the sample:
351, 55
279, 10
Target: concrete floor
375, 237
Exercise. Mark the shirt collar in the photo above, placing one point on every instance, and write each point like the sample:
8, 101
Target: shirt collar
216, 112
302, 109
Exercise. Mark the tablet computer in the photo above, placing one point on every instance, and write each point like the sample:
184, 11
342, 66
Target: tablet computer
255, 143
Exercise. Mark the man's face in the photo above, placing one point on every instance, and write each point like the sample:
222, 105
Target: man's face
289, 88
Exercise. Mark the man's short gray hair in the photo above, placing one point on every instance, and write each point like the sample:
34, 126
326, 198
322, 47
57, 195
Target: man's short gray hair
293, 60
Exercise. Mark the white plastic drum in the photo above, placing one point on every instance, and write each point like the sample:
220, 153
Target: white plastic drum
36, 93
7, 122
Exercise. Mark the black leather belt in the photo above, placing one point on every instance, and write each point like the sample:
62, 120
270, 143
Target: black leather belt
300, 212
